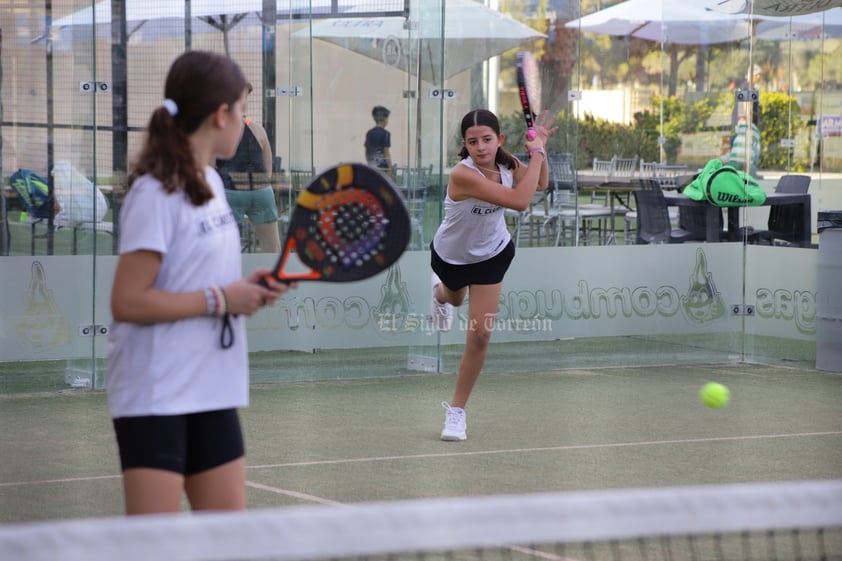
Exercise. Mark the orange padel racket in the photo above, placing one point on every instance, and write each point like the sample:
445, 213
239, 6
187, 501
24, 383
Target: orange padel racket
347, 225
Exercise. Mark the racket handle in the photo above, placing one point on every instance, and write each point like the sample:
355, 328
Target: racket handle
264, 281
530, 134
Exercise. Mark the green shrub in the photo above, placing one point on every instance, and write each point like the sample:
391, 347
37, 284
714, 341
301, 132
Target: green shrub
588, 138
680, 116
591, 137
780, 117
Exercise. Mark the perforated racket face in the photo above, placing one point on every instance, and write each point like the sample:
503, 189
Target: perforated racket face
529, 86
348, 224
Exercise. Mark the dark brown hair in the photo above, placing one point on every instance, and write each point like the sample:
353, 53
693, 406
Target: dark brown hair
480, 118
199, 82
378, 113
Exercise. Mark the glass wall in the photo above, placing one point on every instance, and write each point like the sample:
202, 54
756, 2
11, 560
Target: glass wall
667, 91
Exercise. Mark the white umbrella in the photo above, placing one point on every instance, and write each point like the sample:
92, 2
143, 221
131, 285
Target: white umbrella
147, 10
153, 19
685, 23
669, 22
472, 34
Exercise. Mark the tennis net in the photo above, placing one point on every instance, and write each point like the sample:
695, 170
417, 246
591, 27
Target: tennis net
769, 521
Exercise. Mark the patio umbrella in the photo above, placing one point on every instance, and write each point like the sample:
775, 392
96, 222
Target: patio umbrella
153, 19
684, 23
669, 22
472, 34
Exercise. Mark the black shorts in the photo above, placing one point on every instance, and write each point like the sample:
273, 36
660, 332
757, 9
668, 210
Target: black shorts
490, 271
186, 444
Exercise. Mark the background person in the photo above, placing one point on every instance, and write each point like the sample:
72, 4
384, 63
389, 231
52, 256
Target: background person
378, 141
472, 248
173, 387
248, 187
745, 143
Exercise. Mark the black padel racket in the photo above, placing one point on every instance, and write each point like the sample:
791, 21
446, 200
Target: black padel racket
529, 89
347, 225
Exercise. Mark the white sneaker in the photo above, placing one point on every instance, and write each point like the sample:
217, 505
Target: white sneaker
442, 312
455, 426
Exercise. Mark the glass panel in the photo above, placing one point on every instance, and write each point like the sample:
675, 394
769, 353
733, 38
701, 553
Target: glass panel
796, 99
616, 264
656, 88
55, 102
637, 92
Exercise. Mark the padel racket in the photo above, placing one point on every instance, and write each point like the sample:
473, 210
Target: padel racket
529, 89
347, 225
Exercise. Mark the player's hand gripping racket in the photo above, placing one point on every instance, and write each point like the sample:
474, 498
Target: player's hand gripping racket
348, 224
529, 89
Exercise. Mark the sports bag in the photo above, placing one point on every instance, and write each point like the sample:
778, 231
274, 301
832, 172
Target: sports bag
724, 185
33, 192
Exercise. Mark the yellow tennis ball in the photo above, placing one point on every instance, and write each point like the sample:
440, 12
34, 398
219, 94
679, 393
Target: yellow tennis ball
715, 395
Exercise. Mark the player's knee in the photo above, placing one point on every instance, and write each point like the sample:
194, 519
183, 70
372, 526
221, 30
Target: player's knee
479, 334
456, 299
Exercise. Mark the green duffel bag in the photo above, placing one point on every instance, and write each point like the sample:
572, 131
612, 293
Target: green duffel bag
724, 185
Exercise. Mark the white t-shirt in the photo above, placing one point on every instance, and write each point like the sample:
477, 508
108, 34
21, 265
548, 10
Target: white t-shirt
179, 367
472, 230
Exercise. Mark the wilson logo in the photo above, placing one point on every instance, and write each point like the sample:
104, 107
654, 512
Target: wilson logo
730, 198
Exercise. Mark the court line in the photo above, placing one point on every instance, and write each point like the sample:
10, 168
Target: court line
470, 453
63, 480
530, 551
295, 494
546, 449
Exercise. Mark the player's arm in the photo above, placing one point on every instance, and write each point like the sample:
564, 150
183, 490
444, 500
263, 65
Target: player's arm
135, 299
543, 177
263, 139
543, 130
388, 153
466, 183
521, 171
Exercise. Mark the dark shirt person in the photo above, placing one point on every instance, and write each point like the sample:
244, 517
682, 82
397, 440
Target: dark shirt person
247, 185
378, 141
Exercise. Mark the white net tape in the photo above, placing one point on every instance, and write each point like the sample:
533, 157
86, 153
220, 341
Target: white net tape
439, 525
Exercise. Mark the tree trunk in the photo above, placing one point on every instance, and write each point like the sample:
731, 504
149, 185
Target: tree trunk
673, 83
701, 55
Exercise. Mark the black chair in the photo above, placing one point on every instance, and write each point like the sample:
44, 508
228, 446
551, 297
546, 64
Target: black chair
653, 219
560, 205
785, 222
693, 219
285, 199
413, 184
5, 237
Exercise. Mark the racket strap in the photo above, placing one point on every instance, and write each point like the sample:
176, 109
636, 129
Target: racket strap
226, 336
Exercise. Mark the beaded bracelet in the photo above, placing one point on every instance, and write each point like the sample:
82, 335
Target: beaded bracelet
210, 299
220, 308
224, 298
